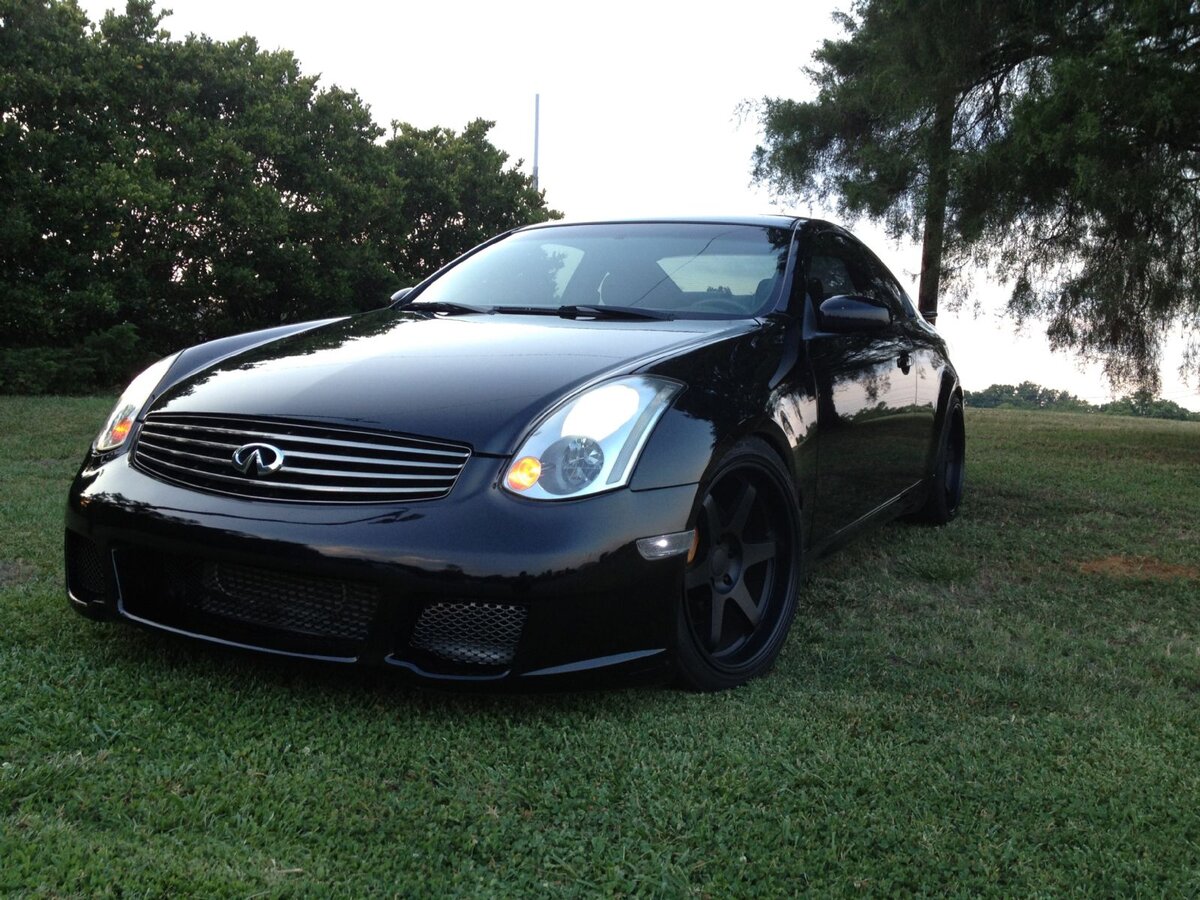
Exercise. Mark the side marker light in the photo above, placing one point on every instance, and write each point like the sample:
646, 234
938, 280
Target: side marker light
665, 545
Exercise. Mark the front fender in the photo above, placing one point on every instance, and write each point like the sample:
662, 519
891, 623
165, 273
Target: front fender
201, 356
727, 398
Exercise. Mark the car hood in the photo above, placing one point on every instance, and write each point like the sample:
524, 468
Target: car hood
475, 379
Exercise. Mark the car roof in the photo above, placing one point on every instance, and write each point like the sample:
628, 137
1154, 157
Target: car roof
762, 221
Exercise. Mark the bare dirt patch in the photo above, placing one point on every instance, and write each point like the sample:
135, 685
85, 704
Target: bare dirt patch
14, 571
1137, 567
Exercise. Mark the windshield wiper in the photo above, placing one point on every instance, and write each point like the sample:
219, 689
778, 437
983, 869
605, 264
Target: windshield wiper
446, 306
587, 311
590, 311
526, 310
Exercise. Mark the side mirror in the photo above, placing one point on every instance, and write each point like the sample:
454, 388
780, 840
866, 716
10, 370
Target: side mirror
846, 313
401, 294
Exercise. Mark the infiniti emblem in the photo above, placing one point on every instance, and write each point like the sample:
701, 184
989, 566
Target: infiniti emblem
257, 459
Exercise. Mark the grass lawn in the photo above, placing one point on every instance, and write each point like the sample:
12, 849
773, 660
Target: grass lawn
1008, 705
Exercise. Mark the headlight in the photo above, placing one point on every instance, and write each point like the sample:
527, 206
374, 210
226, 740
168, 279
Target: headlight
590, 443
125, 413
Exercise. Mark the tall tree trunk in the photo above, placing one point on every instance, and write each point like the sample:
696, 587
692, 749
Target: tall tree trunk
940, 144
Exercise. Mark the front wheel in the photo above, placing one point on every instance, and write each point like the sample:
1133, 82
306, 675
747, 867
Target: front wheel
740, 589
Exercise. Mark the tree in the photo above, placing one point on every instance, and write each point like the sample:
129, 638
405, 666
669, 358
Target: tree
243, 195
1143, 403
1028, 395
1057, 142
194, 188
54, 140
454, 193
197, 188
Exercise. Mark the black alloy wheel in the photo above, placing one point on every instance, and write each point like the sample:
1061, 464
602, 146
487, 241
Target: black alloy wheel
949, 468
740, 587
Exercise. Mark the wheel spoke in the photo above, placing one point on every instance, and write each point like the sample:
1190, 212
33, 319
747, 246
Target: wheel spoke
753, 554
741, 512
741, 596
718, 619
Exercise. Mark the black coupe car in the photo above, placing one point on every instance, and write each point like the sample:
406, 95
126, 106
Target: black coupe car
580, 448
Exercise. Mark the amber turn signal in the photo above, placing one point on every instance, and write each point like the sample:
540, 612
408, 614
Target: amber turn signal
120, 431
524, 473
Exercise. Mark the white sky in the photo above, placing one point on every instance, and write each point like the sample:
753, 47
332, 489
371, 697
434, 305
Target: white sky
639, 114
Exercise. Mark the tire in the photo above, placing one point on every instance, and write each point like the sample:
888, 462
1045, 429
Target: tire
949, 469
740, 589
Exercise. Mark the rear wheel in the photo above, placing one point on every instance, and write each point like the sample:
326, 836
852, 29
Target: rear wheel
949, 468
740, 589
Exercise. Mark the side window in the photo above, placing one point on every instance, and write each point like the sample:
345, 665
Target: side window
841, 265
886, 288
829, 276
829, 269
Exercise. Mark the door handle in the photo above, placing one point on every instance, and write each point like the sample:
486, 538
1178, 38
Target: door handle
905, 363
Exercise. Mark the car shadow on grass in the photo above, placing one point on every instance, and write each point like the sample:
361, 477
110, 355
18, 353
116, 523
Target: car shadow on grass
226, 668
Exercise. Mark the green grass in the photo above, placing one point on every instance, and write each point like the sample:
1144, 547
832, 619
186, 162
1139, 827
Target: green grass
973, 709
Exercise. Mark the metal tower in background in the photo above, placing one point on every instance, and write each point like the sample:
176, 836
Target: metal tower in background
537, 114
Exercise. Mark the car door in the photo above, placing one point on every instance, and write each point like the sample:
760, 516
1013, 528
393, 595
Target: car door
914, 424
865, 388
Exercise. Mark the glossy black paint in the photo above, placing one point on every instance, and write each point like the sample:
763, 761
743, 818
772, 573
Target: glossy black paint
478, 380
854, 414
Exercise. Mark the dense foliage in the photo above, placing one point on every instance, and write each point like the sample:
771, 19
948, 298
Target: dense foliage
1028, 395
199, 188
1057, 141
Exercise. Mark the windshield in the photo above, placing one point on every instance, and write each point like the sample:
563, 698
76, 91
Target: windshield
684, 270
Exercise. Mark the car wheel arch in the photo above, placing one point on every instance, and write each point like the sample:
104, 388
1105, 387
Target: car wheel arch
950, 388
945, 480
773, 436
770, 434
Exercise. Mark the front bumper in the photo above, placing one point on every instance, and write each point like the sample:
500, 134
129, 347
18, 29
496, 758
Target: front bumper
534, 589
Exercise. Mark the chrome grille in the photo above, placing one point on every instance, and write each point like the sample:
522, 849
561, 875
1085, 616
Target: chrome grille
321, 464
470, 632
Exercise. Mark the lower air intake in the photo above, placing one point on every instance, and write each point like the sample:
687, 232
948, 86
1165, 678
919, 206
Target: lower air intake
85, 569
300, 604
483, 634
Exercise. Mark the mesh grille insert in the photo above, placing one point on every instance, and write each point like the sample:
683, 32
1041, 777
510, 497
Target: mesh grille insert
248, 604
470, 632
322, 607
297, 461
85, 569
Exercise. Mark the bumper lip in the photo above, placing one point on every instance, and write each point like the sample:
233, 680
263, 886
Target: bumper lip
581, 667
596, 606
223, 642
600, 662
